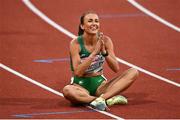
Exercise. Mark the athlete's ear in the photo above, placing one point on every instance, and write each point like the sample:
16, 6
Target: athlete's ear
82, 27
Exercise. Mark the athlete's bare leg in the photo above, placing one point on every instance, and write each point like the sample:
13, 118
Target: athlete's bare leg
118, 84
76, 94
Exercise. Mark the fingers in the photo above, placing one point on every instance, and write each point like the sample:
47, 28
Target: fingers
100, 43
100, 47
100, 35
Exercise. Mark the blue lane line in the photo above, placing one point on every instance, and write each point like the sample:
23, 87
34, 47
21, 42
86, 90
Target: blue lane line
50, 113
50, 60
122, 15
173, 69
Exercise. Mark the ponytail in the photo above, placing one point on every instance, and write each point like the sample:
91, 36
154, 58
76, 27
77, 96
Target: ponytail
80, 31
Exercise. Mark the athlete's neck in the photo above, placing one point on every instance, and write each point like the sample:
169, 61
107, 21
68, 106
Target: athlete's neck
90, 39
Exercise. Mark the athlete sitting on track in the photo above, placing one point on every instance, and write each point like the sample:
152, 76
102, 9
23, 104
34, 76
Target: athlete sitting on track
88, 52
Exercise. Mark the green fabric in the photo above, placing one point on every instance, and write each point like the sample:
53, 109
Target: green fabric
83, 52
89, 83
71, 64
82, 47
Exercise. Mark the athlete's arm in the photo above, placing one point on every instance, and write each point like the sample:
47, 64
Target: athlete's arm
111, 58
80, 67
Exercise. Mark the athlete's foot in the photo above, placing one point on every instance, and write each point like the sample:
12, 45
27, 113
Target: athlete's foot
119, 99
99, 103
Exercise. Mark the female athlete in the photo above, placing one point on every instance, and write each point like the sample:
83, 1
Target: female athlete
88, 52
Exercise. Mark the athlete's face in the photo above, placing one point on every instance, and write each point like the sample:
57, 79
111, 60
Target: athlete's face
91, 23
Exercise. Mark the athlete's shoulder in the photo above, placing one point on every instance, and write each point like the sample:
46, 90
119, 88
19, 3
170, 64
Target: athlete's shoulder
74, 41
107, 39
74, 44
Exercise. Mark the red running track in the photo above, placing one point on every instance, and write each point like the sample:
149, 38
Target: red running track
138, 39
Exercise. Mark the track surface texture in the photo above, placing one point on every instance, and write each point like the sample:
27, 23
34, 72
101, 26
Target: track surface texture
37, 50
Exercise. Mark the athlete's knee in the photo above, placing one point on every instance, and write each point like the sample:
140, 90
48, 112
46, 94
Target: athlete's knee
133, 73
71, 92
67, 91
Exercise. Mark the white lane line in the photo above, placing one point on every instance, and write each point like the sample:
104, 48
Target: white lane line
149, 73
156, 17
58, 27
45, 18
50, 89
30, 80
61, 29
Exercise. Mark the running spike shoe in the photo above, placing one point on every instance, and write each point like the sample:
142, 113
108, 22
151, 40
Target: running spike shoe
99, 103
118, 99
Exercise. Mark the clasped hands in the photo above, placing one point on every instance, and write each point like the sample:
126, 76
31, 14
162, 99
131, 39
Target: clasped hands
100, 46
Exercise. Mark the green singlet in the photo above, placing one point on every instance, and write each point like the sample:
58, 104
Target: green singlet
89, 83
